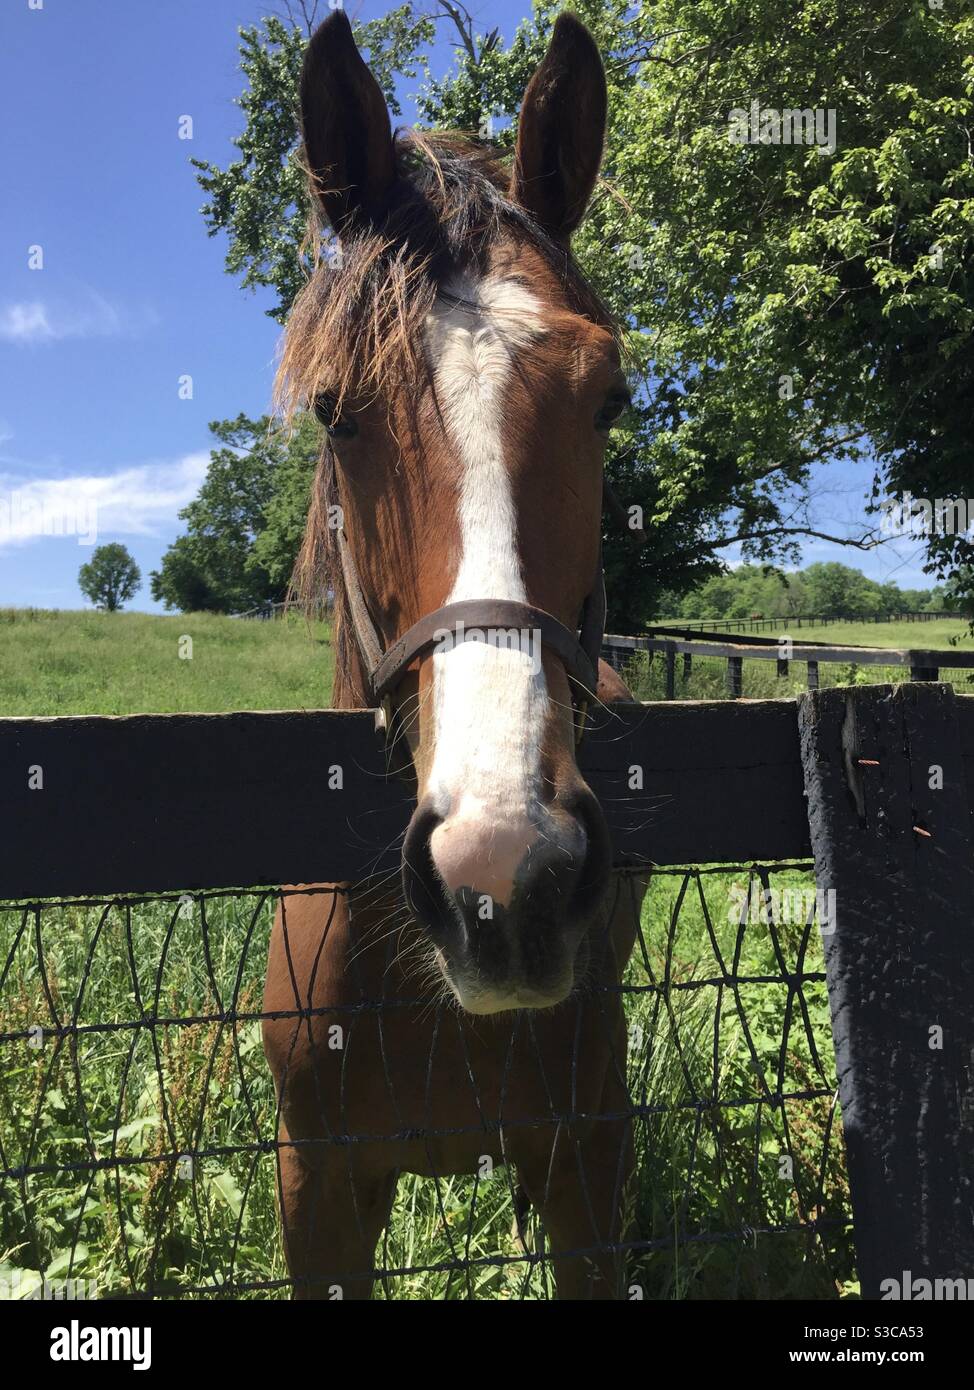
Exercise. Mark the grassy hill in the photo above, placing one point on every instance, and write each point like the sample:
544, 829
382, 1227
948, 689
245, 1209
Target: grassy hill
54, 662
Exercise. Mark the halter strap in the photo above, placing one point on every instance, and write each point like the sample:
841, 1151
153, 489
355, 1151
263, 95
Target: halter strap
578, 652
385, 669
491, 614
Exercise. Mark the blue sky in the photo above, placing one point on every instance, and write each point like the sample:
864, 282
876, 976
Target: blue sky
129, 294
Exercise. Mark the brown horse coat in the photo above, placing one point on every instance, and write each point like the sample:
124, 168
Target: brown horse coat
485, 1028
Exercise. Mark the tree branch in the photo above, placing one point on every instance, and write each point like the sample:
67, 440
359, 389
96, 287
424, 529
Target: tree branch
868, 542
463, 22
308, 12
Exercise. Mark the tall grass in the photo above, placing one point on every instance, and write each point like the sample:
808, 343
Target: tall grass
711, 1177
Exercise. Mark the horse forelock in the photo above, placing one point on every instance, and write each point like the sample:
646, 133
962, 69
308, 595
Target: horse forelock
356, 327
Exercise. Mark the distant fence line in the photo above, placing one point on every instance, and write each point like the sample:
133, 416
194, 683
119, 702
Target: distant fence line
263, 610
275, 610
758, 623
924, 664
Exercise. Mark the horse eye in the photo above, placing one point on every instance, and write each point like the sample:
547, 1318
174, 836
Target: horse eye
338, 426
618, 402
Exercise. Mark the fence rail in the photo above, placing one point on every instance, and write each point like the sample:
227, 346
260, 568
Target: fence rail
160, 803
277, 610
923, 664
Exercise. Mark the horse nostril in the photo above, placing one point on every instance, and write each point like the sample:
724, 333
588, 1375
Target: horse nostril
424, 890
593, 877
507, 902
449, 867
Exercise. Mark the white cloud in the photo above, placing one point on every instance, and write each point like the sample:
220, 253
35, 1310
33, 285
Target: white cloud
25, 323
142, 500
37, 321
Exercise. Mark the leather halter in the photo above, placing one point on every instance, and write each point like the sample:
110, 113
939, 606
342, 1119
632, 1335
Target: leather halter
385, 668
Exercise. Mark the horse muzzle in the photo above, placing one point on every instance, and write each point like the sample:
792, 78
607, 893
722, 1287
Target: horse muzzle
507, 901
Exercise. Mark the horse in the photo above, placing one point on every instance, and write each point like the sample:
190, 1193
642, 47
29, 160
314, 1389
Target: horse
467, 377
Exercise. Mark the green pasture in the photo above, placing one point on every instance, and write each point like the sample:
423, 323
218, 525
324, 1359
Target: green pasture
61, 662
944, 633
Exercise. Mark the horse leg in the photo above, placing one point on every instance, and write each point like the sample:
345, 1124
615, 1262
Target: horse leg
332, 1215
582, 1186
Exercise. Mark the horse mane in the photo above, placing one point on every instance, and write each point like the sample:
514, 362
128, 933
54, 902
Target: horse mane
356, 328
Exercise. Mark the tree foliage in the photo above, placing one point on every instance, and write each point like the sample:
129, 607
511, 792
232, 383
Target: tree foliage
830, 589
259, 198
244, 527
786, 305
110, 578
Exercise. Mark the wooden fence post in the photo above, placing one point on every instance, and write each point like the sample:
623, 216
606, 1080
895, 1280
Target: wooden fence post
735, 676
670, 671
890, 827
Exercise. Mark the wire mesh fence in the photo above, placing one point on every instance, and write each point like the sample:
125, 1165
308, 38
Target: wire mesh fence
140, 1133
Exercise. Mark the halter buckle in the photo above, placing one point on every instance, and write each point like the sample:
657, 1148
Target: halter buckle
581, 714
383, 716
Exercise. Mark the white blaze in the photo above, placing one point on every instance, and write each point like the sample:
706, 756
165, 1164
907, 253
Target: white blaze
489, 702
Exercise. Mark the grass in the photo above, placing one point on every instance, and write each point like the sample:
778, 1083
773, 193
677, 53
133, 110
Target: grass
708, 678
711, 1178
942, 633
54, 662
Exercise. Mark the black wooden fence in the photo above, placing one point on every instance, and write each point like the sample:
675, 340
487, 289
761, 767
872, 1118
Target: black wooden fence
875, 784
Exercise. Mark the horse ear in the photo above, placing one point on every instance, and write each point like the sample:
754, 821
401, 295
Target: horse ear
561, 131
345, 123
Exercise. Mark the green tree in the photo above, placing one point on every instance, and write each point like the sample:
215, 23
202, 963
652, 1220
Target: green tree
259, 198
786, 305
244, 527
838, 591
958, 593
828, 590
110, 577
276, 543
